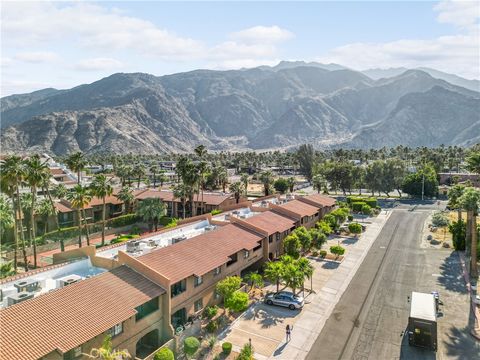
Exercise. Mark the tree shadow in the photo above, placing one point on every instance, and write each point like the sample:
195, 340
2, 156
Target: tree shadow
451, 275
350, 240
461, 344
331, 265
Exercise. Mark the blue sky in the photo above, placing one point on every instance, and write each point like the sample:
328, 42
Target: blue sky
63, 44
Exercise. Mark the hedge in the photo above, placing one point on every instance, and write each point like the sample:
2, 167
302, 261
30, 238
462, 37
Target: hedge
372, 202
227, 348
357, 206
123, 220
164, 354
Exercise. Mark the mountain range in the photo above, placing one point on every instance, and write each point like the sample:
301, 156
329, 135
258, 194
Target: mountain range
283, 106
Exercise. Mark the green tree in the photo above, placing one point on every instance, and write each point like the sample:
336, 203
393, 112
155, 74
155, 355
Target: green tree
473, 162
319, 182
454, 194
318, 238
101, 188
77, 163
126, 196
6, 214
244, 180
190, 346
140, 172
324, 227
412, 183
237, 301
281, 185
6, 269
237, 189
254, 279
291, 183
292, 245
469, 201
337, 250
304, 237
154, 169
355, 228
45, 210
228, 286
274, 272
164, 354
266, 178
292, 275
307, 269
306, 158
181, 191
80, 197
151, 210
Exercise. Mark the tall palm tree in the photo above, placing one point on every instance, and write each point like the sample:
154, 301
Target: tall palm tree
60, 192
151, 210
237, 189
318, 182
266, 178
101, 188
291, 183
45, 210
470, 202
79, 197
76, 162
35, 178
307, 269
454, 195
13, 175
7, 189
244, 179
473, 162
180, 191
202, 170
140, 171
154, 169
125, 194
274, 272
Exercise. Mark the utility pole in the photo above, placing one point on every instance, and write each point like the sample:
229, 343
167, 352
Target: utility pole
423, 184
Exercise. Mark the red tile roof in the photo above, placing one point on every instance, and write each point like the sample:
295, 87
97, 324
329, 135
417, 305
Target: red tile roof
300, 208
200, 254
271, 222
112, 199
166, 195
63, 208
321, 200
66, 318
57, 171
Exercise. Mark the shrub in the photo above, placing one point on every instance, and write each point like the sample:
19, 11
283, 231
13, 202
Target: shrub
228, 286
211, 341
191, 345
210, 311
355, 228
135, 230
237, 302
227, 348
337, 250
331, 220
315, 253
440, 219
357, 206
123, 220
246, 353
173, 222
324, 227
458, 230
372, 202
164, 354
292, 245
216, 211
350, 217
323, 253
366, 210
340, 214
165, 220
212, 326
318, 238
281, 185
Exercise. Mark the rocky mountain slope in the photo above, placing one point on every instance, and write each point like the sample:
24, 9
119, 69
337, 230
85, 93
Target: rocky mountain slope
261, 108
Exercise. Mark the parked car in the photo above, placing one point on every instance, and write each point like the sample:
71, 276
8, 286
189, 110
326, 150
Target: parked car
286, 299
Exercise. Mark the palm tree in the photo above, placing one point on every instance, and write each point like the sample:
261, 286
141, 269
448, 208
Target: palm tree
244, 179
236, 188
470, 202
274, 272
106, 352
318, 181
60, 192
454, 195
101, 188
151, 210
76, 162
266, 178
473, 162
203, 169
126, 195
154, 170
79, 197
254, 279
222, 178
162, 178
139, 171
35, 177
307, 269
291, 183
45, 210
180, 191
13, 175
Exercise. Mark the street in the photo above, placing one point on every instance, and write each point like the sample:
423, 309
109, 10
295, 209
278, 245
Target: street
371, 316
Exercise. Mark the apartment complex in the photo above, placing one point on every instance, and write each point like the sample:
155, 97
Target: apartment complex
145, 296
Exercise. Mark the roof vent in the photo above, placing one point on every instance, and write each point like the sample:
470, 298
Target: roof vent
19, 297
68, 280
27, 285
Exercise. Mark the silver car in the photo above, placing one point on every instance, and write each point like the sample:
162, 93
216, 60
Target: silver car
285, 298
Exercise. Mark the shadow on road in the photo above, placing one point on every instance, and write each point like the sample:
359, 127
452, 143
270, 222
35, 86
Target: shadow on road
268, 316
460, 344
408, 352
451, 275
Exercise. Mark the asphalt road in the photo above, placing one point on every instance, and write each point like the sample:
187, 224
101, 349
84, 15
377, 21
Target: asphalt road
369, 319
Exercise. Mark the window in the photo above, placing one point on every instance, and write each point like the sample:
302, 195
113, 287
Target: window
116, 330
216, 295
217, 271
270, 238
178, 288
257, 247
278, 236
247, 254
198, 305
146, 308
198, 280
233, 259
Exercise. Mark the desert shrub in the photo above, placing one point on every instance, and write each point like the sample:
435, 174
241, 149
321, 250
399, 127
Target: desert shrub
216, 211
173, 222
315, 253
191, 345
337, 250
212, 326
210, 311
355, 228
323, 253
281, 185
440, 219
123, 220
331, 220
246, 353
227, 348
164, 354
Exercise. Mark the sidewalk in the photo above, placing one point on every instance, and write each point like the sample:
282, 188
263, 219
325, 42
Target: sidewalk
265, 325
475, 331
